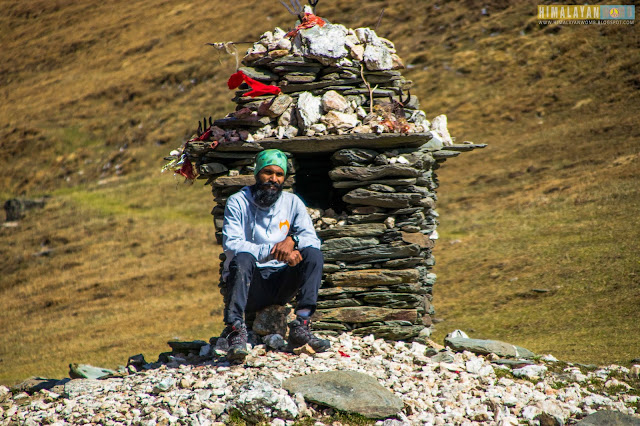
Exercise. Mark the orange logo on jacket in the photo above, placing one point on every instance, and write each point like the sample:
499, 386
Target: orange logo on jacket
286, 222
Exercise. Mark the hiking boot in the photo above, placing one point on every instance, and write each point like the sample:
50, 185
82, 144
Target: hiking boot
237, 339
221, 343
300, 335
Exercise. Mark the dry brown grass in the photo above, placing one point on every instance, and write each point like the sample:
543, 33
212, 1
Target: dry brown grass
92, 90
98, 274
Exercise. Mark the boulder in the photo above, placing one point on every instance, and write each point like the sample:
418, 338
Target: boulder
320, 325
256, 52
347, 391
34, 384
300, 77
286, 132
379, 253
336, 120
338, 303
271, 320
609, 418
443, 356
275, 107
85, 371
136, 361
402, 263
212, 168
288, 117
364, 314
318, 128
260, 402
530, 371
486, 347
357, 52
373, 277
353, 155
349, 243
391, 332
340, 292
378, 58
381, 199
374, 173
394, 300
370, 230
16, 208
381, 188
326, 44
512, 363
366, 209
356, 183
164, 385
274, 341
439, 125
260, 74
309, 110
334, 101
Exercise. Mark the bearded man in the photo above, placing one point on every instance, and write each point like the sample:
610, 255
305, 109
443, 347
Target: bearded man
272, 255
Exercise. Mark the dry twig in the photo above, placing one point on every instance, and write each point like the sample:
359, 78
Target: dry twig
366, 83
230, 48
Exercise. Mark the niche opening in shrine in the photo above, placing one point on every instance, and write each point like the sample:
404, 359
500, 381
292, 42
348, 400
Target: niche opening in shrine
313, 184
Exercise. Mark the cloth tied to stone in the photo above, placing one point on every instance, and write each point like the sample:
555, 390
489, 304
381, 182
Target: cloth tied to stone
257, 88
203, 137
187, 170
308, 20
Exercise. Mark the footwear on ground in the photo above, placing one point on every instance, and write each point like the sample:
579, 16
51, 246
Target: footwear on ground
300, 335
237, 338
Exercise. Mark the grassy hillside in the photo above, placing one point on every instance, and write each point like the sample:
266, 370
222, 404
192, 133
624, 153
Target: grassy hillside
123, 258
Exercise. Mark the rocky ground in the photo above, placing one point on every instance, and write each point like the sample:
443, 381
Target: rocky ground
431, 384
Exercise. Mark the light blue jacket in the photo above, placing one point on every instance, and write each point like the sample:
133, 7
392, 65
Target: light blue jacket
249, 228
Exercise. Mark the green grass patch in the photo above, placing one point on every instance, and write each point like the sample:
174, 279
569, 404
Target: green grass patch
69, 139
161, 198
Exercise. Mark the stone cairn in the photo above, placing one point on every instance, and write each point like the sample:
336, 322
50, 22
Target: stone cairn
362, 156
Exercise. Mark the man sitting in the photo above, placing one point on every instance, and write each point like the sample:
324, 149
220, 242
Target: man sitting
273, 255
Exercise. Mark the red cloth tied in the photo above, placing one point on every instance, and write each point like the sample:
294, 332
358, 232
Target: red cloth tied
308, 20
203, 137
257, 88
187, 170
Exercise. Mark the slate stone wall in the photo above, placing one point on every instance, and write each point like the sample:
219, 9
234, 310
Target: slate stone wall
374, 210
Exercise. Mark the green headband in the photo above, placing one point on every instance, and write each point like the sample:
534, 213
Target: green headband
270, 157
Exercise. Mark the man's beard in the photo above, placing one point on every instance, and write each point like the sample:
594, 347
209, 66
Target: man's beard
267, 193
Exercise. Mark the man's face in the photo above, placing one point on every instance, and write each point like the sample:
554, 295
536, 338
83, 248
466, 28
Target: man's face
269, 184
273, 174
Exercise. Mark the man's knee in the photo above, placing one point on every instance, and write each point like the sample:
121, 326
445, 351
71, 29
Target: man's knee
243, 262
312, 256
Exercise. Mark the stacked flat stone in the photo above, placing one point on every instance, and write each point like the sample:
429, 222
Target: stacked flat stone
377, 265
328, 76
333, 80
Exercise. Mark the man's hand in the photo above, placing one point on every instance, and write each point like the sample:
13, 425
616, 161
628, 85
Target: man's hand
282, 251
294, 258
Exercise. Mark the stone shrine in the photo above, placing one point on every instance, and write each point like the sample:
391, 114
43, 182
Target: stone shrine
362, 156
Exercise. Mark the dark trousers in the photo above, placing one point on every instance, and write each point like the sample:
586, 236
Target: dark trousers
250, 288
